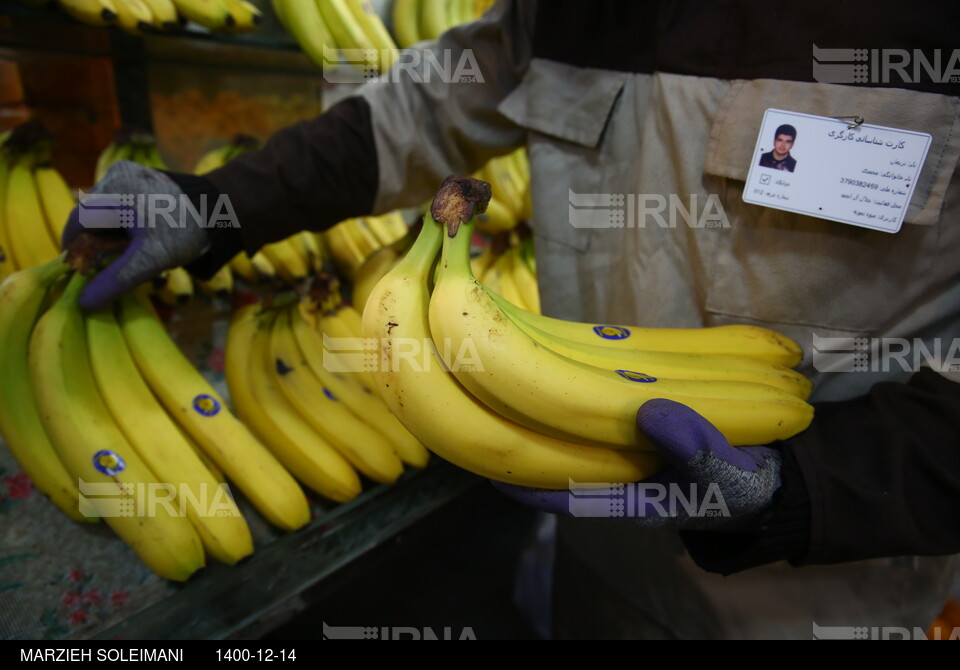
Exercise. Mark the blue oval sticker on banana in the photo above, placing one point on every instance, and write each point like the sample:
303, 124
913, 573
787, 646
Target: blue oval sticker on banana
612, 332
206, 405
636, 376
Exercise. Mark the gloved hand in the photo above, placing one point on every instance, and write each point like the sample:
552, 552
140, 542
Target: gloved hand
155, 245
708, 484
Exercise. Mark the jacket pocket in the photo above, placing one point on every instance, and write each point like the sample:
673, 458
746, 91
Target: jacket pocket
785, 268
565, 110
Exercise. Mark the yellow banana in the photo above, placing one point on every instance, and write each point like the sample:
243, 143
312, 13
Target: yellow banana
205, 416
243, 267
165, 15
309, 392
8, 264
30, 242
246, 16
347, 32
91, 12
372, 270
359, 399
159, 443
303, 19
497, 219
450, 421
212, 160
526, 282
406, 22
263, 266
56, 198
220, 285
213, 14
176, 287
134, 16
289, 259
732, 340
520, 379
263, 407
95, 451
377, 34
434, 20
21, 300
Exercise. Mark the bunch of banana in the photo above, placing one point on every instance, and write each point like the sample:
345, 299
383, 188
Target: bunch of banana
418, 20
510, 203
87, 429
35, 201
139, 17
330, 29
321, 423
539, 402
130, 144
377, 264
351, 242
220, 156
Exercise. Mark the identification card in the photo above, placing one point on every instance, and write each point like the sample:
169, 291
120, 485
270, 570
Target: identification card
820, 166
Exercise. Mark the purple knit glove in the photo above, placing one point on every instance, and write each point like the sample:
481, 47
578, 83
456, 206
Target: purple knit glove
707, 485
155, 245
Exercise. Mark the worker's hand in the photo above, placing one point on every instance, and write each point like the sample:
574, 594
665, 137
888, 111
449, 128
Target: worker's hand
707, 484
155, 245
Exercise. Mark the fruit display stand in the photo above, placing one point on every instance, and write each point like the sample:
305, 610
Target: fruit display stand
64, 580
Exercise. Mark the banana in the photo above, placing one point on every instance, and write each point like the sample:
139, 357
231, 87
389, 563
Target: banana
176, 288
309, 392
460, 12
509, 290
134, 16
377, 34
506, 184
265, 269
56, 198
107, 158
347, 32
246, 16
303, 19
451, 422
732, 340
212, 160
243, 267
532, 385
346, 255
21, 300
157, 440
358, 399
313, 249
406, 22
497, 219
8, 264
152, 157
264, 408
526, 282
165, 15
674, 364
362, 236
94, 450
220, 285
91, 12
372, 271
30, 242
433, 19
213, 14
289, 259
205, 416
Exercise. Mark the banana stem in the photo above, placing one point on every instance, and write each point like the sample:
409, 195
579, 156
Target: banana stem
458, 201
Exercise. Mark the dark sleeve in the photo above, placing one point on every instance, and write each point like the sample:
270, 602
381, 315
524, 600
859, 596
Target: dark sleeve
875, 476
309, 176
